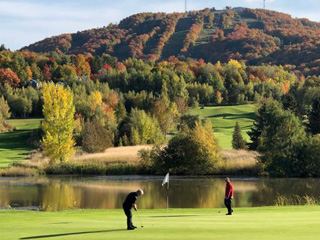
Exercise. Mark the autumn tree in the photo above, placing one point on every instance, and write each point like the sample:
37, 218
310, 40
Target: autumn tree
10, 77
4, 108
95, 100
166, 112
144, 129
47, 76
58, 124
82, 66
140, 128
112, 99
4, 114
68, 73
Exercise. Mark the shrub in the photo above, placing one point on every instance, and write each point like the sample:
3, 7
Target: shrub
194, 152
95, 137
149, 160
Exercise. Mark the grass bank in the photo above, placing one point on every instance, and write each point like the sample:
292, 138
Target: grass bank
224, 118
113, 161
265, 223
13, 145
125, 161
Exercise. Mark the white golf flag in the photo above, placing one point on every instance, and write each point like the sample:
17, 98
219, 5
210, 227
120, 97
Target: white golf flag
166, 179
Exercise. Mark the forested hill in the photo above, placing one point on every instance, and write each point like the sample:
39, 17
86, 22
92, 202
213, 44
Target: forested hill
255, 35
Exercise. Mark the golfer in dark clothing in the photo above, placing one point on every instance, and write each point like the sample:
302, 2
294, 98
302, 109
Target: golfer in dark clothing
228, 196
129, 203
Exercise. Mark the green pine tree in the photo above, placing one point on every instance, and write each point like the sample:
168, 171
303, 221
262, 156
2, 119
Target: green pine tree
314, 117
237, 139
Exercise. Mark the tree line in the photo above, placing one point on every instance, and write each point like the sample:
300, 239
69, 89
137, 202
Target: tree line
134, 102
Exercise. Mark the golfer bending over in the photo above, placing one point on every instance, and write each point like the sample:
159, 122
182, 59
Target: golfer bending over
228, 196
130, 203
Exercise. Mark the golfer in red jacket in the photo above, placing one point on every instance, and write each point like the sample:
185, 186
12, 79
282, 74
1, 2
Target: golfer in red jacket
228, 196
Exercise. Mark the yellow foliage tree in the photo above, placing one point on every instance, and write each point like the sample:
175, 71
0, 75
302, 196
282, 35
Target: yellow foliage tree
82, 66
166, 112
59, 123
203, 136
234, 63
95, 100
29, 72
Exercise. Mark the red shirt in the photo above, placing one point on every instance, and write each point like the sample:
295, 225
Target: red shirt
229, 190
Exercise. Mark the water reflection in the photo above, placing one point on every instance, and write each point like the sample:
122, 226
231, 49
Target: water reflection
55, 194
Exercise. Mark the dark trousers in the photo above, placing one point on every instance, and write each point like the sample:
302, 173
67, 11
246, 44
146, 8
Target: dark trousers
128, 213
227, 203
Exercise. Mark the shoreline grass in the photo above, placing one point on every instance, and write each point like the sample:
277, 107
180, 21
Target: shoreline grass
265, 223
234, 162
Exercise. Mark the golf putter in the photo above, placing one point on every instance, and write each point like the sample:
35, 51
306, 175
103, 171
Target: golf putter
139, 219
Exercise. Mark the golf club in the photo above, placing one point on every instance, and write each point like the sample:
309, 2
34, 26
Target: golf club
139, 218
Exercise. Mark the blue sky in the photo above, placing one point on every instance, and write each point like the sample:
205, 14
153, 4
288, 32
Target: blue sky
26, 21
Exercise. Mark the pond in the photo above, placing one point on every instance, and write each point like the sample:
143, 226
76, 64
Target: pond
108, 192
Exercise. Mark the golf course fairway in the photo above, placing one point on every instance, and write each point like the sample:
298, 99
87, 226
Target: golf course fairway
296, 222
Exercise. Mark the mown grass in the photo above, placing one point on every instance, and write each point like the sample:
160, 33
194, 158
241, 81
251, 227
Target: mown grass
263, 223
224, 118
13, 145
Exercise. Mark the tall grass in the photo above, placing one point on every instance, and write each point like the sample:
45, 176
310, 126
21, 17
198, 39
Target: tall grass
19, 172
74, 168
91, 169
128, 154
238, 162
296, 200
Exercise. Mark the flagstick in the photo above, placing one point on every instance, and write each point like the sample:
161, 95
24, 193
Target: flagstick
167, 197
166, 181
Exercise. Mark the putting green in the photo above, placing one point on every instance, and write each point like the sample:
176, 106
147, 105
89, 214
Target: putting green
301, 222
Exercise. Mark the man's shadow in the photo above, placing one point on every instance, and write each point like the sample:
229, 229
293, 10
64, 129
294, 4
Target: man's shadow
73, 233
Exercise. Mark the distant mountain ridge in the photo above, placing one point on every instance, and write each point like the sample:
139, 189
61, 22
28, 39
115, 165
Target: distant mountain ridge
255, 35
